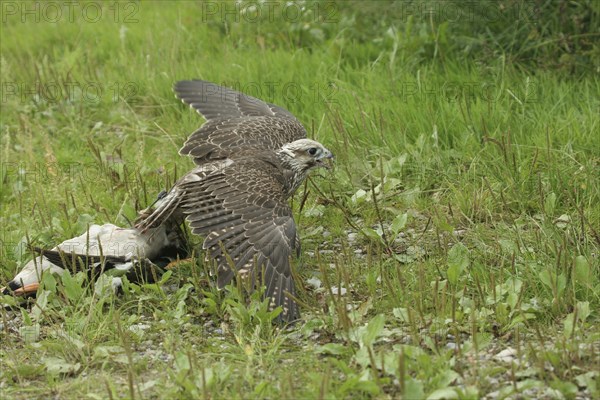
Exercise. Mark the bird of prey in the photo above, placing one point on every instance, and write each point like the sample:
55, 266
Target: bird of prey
102, 247
251, 156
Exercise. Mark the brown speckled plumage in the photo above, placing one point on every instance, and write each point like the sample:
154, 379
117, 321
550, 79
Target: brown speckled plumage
251, 156
234, 121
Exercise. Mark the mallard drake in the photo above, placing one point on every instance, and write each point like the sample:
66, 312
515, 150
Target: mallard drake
100, 248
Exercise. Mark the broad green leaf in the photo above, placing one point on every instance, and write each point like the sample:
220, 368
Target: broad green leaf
401, 314
582, 271
458, 260
443, 394
83, 222
165, 278
41, 303
546, 278
107, 351
413, 389
459, 256
180, 296
588, 380
362, 357
502, 313
373, 330
316, 211
518, 319
147, 385
443, 225
72, 288
371, 234
567, 389
359, 196
182, 361
399, 223
56, 366
549, 204
454, 273
512, 299
561, 284
563, 221
48, 281
20, 249
446, 378
508, 246
569, 324
26, 318
333, 348
354, 383
9, 301
583, 310
394, 165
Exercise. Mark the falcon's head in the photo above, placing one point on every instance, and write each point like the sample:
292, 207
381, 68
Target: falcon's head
305, 154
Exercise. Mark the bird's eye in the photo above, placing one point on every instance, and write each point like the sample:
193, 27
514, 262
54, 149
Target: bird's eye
312, 151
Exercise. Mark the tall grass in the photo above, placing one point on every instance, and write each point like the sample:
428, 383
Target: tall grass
462, 218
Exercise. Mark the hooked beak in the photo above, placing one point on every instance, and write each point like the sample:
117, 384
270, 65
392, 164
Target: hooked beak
326, 161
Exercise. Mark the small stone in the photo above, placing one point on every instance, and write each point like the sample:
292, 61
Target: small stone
314, 282
451, 346
460, 232
507, 355
335, 290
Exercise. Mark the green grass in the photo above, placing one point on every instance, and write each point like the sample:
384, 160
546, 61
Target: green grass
462, 217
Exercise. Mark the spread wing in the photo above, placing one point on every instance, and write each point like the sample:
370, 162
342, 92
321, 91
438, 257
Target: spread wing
215, 102
248, 227
234, 121
166, 208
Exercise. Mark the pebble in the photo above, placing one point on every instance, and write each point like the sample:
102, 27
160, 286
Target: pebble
314, 282
141, 327
460, 232
507, 355
335, 290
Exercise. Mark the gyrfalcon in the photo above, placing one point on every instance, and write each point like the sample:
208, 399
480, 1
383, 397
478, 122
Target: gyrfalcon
251, 157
